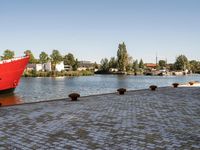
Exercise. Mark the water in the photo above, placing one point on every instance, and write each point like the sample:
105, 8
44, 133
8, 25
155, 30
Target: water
40, 89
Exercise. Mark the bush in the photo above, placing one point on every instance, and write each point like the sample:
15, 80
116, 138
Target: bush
56, 73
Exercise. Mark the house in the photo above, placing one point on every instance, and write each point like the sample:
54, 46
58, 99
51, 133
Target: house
60, 66
85, 65
30, 67
47, 66
39, 67
151, 65
67, 67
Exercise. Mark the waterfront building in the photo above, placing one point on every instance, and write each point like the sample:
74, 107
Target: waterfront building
150, 65
30, 67
60, 66
67, 67
85, 65
47, 66
39, 67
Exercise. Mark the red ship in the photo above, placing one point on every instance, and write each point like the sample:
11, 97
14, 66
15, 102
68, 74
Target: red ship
11, 71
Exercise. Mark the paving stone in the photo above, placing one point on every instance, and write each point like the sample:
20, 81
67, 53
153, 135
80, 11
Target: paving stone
165, 119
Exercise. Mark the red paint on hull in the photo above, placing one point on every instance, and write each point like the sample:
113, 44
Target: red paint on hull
11, 71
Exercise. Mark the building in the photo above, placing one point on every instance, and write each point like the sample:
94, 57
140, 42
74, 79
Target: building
39, 67
60, 66
67, 67
30, 67
47, 66
151, 65
85, 65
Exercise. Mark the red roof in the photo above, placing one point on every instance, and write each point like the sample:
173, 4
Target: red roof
150, 65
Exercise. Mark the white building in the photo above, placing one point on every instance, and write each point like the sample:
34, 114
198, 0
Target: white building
60, 66
39, 67
47, 66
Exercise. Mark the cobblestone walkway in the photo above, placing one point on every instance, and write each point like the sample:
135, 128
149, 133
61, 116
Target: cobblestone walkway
165, 119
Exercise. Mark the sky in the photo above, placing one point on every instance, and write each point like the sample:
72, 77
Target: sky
92, 29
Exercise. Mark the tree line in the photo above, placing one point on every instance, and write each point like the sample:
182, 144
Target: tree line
123, 62
55, 58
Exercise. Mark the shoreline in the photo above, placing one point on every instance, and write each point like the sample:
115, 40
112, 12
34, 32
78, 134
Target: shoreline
88, 73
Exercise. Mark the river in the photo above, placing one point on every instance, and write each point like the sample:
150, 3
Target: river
41, 89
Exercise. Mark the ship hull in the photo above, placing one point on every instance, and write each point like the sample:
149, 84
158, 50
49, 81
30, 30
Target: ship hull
7, 91
11, 72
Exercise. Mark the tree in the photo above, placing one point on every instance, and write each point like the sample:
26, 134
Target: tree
8, 54
56, 58
122, 57
44, 58
135, 66
96, 66
181, 63
112, 63
69, 59
75, 65
141, 64
32, 58
195, 66
162, 63
104, 65
130, 63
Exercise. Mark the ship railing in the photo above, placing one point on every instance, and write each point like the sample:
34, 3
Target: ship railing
11, 60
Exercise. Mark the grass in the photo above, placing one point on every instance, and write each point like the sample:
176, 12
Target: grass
56, 73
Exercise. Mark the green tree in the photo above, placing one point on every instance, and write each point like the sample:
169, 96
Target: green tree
181, 63
162, 63
135, 66
96, 66
56, 58
104, 65
122, 57
69, 59
75, 65
32, 58
141, 64
43, 58
130, 64
112, 63
8, 54
195, 66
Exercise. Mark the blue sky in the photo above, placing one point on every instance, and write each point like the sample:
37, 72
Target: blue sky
92, 29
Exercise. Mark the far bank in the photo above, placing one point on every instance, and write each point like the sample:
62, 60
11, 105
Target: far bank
34, 73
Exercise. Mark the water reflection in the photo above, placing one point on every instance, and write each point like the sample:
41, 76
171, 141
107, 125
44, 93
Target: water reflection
121, 81
10, 99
